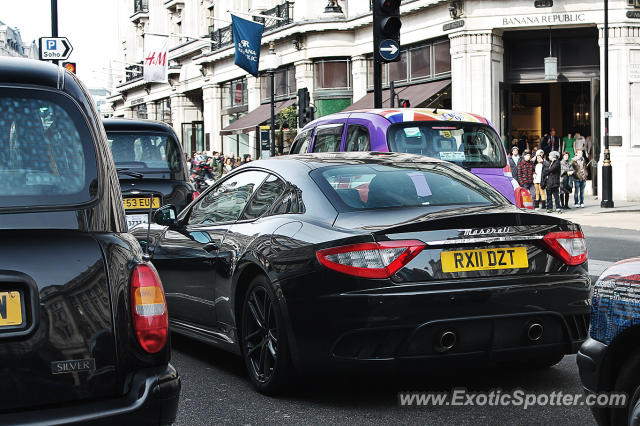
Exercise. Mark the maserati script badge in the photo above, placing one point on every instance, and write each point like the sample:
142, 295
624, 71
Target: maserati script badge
487, 231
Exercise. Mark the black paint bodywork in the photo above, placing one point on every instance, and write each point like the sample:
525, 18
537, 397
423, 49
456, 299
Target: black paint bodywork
74, 263
333, 317
171, 187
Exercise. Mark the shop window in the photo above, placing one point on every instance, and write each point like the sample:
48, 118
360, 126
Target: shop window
285, 82
398, 70
442, 57
235, 93
420, 59
163, 110
416, 64
141, 111
332, 74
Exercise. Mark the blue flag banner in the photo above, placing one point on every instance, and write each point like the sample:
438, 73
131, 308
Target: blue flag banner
247, 36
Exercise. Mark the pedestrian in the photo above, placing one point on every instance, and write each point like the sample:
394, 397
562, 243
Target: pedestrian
567, 145
566, 170
514, 159
219, 164
550, 142
551, 180
228, 165
579, 178
189, 161
580, 144
541, 194
526, 169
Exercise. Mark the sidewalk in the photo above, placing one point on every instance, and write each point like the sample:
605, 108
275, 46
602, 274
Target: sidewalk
625, 215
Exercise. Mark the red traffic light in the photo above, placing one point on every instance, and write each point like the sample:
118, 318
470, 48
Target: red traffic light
388, 6
70, 66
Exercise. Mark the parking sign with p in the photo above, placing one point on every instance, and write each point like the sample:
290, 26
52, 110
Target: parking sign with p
54, 48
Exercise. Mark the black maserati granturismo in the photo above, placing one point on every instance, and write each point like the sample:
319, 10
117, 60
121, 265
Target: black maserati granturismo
307, 261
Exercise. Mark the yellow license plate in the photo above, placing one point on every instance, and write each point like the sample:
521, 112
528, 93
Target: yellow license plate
484, 259
10, 309
140, 203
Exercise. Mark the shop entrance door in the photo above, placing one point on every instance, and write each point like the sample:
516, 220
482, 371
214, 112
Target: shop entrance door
193, 137
537, 108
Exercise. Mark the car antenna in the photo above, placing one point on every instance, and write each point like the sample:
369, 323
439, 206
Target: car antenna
435, 111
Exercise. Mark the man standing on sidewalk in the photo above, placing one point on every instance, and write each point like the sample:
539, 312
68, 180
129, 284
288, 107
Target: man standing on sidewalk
514, 159
579, 177
525, 174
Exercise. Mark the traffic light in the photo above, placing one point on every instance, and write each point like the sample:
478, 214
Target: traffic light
404, 103
305, 111
543, 3
386, 30
71, 66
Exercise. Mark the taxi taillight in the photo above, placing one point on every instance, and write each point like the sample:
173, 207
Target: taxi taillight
149, 308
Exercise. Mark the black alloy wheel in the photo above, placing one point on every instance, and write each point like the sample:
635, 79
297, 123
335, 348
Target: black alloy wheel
263, 338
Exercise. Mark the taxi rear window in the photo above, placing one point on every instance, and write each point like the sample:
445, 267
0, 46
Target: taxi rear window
470, 145
47, 156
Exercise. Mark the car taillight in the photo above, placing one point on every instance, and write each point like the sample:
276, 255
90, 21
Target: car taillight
370, 260
569, 246
149, 308
194, 195
507, 170
523, 198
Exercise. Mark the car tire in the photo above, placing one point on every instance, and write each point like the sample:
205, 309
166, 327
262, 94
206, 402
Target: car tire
263, 339
628, 381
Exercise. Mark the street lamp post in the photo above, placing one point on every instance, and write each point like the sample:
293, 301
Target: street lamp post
272, 62
54, 22
607, 172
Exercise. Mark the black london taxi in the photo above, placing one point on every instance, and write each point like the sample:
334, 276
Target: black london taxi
151, 166
83, 320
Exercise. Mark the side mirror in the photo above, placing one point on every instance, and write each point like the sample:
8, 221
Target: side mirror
166, 215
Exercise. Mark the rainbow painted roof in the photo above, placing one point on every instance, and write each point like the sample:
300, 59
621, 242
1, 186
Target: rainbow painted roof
401, 115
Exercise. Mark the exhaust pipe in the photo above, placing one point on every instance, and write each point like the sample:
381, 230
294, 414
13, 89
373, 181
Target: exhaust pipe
535, 331
448, 340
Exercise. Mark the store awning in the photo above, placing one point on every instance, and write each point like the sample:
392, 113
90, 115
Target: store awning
248, 123
416, 94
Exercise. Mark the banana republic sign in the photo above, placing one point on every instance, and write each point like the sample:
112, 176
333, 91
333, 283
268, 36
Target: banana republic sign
550, 19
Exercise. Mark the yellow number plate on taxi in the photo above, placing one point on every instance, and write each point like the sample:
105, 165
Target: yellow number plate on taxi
140, 203
484, 259
10, 309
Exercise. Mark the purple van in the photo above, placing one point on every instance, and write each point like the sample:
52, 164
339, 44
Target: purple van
465, 139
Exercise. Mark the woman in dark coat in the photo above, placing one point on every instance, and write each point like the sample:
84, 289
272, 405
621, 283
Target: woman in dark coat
552, 178
566, 170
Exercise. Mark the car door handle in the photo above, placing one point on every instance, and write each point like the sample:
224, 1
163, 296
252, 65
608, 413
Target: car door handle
210, 247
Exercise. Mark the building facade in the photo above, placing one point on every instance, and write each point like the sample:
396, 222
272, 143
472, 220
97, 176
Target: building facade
482, 56
11, 43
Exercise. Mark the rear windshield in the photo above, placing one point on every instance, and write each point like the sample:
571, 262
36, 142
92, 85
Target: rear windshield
470, 145
145, 152
374, 186
47, 155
